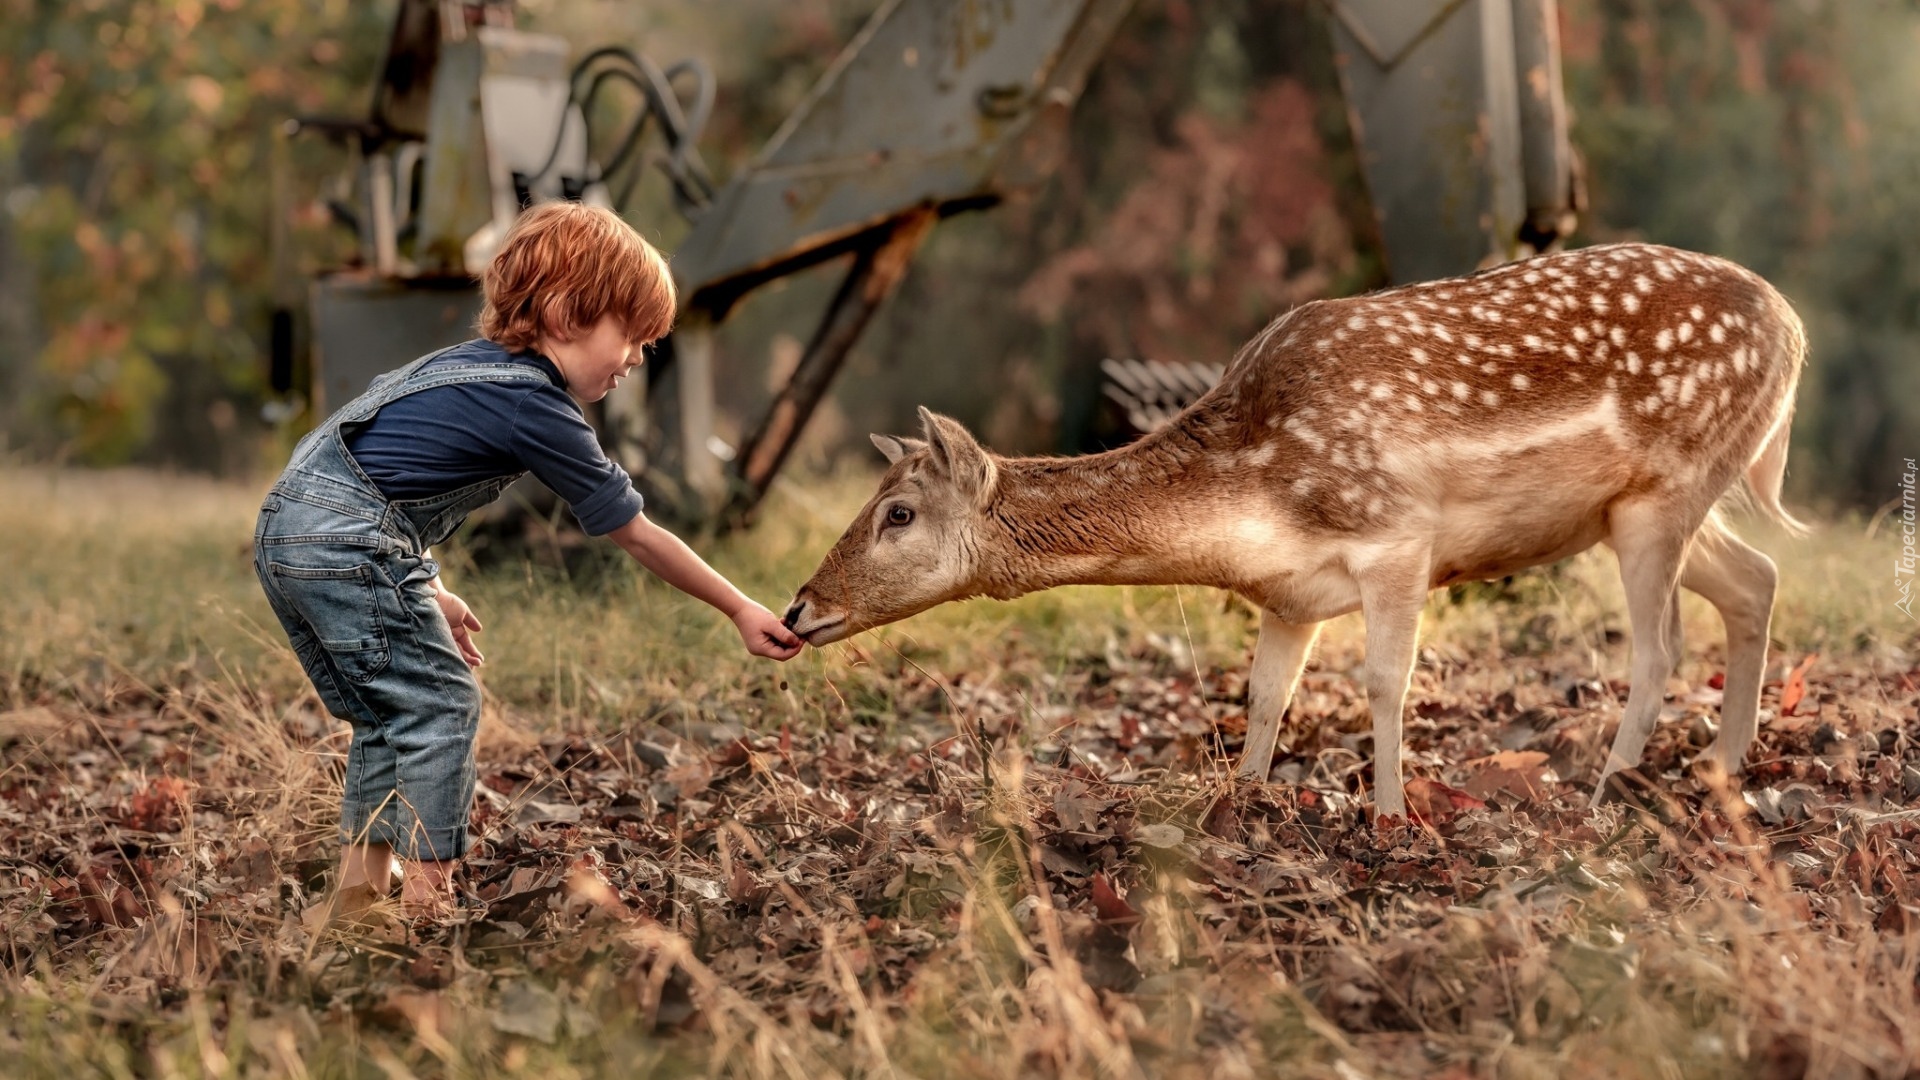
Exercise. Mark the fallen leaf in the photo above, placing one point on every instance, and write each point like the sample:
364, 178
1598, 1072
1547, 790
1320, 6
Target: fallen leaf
1795, 687
1433, 802
537, 813
1162, 835
1078, 811
158, 807
1113, 907
1522, 774
529, 1009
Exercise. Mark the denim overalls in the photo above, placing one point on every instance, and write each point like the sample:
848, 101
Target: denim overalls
347, 573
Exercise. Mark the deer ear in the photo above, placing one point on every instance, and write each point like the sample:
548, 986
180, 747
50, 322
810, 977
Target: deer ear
957, 456
896, 447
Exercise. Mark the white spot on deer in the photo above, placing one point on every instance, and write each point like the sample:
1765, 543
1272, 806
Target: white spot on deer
1532, 341
1520, 382
1356, 323
1489, 398
1580, 334
1489, 367
1617, 335
1599, 303
1441, 333
1699, 313
1419, 355
1338, 457
1658, 367
1393, 338
1464, 360
1669, 386
1570, 352
1381, 392
1302, 486
1633, 362
1630, 303
1717, 333
1412, 404
1641, 284
1473, 342
1665, 270
1726, 395
1648, 404
1358, 385
1687, 387
1686, 332
1663, 340
1323, 344
1531, 277
1304, 433
1460, 391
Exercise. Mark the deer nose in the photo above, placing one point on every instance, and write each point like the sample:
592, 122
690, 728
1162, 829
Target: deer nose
793, 613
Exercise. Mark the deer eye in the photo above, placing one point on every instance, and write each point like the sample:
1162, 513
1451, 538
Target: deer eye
899, 515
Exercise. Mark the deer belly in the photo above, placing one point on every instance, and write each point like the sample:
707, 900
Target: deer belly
1494, 522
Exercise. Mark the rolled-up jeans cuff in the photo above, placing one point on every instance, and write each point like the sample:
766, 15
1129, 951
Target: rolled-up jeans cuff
415, 843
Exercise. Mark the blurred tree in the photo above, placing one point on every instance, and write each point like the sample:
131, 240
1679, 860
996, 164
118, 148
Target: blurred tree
133, 168
1210, 184
1785, 137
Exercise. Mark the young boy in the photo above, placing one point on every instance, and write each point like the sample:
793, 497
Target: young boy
342, 543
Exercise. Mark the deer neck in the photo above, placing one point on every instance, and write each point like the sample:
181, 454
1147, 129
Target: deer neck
1125, 517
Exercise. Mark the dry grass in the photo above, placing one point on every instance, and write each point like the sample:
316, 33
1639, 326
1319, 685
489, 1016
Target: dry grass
941, 849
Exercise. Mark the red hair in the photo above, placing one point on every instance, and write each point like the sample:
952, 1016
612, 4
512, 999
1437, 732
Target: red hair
563, 267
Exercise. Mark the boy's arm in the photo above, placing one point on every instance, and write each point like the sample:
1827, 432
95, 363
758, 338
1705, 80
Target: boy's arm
676, 564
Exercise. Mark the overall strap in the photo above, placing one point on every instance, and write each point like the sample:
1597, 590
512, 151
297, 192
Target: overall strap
412, 379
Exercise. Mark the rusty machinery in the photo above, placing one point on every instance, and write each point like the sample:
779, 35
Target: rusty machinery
934, 108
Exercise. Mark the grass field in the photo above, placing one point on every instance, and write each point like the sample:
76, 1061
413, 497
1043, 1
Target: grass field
997, 839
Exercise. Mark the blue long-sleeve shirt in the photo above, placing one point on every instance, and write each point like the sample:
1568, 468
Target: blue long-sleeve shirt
430, 443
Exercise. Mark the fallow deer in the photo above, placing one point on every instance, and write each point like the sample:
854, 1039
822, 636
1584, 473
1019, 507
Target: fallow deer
1360, 452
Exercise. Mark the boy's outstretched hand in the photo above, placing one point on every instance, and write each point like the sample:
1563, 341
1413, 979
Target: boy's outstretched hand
765, 634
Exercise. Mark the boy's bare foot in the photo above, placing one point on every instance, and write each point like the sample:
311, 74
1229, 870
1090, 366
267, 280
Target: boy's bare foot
356, 909
426, 889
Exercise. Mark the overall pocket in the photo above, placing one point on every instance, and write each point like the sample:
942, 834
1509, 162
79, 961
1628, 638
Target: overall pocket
343, 610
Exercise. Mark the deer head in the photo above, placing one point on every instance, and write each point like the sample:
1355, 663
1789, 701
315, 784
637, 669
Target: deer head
923, 539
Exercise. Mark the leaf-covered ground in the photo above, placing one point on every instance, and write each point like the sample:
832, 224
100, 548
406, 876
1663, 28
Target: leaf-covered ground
1054, 882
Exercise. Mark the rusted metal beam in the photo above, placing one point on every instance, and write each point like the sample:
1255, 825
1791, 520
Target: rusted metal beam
876, 273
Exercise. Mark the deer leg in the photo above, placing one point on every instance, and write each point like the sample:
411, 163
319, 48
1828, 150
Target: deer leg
1390, 601
1739, 582
1650, 548
1676, 641
1278, 660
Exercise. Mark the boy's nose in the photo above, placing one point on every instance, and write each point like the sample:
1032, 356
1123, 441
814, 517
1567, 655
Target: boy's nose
793, 613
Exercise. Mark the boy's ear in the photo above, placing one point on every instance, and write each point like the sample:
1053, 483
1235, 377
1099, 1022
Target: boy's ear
896, 447
957, 456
